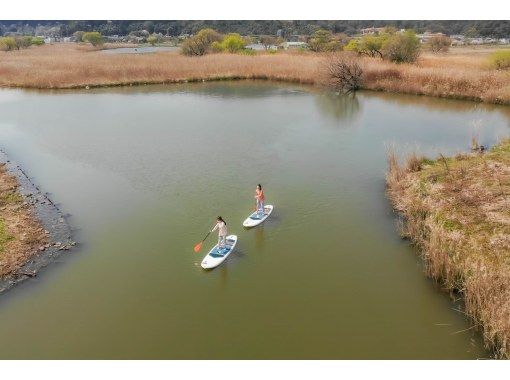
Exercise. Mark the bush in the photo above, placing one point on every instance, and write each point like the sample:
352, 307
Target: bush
322, 40
95, 38
23, 42
439, 44
233, 43
201, 42
37, 41
319, 39
500, 60
368, 45
402, 47
152, 40
7, 43
343, 72
216, 47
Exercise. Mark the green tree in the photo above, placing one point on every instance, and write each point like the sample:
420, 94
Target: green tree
233, 43
23, 42
369, 45
7, 43
37, 41
353, 45
152, 40
471, 32
200, 43
402, 47
319, 39
217, 47
500, 59
322, 40
95, 38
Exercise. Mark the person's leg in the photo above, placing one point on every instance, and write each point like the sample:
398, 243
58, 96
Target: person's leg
259, 203
262, 205
221, 241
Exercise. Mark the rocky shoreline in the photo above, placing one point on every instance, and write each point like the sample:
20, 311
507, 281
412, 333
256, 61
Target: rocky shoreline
54, 222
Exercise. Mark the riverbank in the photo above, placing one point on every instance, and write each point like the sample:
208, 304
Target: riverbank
33, 232
459, 74
457, 212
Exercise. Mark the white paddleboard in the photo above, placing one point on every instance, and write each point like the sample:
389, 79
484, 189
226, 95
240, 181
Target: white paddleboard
255, 219
216, 256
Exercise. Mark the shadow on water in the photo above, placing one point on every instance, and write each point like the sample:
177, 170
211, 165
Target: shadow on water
341, 107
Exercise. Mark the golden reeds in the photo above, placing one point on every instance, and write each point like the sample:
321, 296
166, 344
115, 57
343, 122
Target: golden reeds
455, 75
457, 212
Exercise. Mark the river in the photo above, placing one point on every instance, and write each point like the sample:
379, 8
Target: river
144, 171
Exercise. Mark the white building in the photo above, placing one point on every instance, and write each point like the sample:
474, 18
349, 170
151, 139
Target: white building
425, 37
294, 45
372, 30
260, 47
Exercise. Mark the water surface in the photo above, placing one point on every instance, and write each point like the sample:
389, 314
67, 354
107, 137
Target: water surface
144, 172
140, 50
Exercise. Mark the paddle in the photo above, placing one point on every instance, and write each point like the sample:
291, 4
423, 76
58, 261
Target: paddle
198, 247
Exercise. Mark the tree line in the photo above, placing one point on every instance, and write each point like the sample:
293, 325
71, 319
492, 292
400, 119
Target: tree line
19, 42
284, 28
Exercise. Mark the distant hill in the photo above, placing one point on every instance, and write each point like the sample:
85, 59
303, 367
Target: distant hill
498, 29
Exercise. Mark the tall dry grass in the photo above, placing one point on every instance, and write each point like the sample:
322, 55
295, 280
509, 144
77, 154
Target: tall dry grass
457, 212
455, 75
67, 66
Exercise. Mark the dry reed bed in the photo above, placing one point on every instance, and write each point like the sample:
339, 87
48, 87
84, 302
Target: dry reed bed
457, 212
69, 66
21, 235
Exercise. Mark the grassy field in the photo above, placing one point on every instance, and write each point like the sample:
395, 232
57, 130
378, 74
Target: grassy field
457, 211
21, 234
462, 73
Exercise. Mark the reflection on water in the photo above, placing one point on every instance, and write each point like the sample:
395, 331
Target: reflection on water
438, 104
344, 107
259, 237
140, 50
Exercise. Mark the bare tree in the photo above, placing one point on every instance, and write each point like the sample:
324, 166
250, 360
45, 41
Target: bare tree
343, 72
268, 41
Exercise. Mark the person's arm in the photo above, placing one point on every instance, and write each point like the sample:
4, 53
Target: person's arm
215, 227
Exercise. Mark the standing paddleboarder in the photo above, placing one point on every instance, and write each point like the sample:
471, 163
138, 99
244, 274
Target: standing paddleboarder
221, 226
259, 198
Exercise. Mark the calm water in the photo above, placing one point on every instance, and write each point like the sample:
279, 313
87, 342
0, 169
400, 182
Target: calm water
140, 50
144, 171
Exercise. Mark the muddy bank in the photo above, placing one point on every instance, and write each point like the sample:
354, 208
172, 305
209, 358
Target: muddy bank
55, 237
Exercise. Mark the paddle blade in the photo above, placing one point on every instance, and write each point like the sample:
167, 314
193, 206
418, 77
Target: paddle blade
198, 247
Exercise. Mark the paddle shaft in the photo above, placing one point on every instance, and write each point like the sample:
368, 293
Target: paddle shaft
206, 236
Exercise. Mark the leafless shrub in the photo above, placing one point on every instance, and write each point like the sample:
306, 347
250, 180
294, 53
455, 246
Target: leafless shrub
343, 72
439, 44
413, 162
